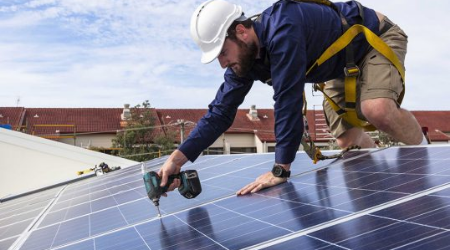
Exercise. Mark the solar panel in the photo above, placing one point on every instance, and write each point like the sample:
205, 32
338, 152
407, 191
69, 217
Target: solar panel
17, 215
379, 199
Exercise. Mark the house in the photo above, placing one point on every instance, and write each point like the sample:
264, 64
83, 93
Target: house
251, 131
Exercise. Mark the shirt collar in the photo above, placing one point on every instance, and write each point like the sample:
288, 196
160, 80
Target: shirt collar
258, 27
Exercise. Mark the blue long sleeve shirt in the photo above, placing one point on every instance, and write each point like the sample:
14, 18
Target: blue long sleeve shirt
291, 37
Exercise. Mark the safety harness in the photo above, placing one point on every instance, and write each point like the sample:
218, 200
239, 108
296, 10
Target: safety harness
351, 71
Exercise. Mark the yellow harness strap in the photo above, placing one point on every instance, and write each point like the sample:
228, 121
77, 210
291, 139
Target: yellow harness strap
349, 113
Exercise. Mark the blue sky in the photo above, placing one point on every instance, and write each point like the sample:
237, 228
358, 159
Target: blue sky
104, 53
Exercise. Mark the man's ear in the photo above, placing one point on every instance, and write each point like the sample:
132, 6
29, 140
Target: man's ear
241, 32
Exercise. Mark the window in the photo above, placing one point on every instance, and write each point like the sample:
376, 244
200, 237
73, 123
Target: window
249, 150
213, 151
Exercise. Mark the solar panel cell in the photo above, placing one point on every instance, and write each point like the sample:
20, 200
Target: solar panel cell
138, 210
85, 245
14, 229
72, 230
103, 203
54, 217
127, 239
5, 244
304, 243
40, 239
76, 211
106, 220
391, 236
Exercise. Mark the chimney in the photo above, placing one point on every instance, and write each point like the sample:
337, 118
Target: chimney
125, 116
253, 113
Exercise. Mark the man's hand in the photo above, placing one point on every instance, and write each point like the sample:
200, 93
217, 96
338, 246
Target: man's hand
263, 181
172, 166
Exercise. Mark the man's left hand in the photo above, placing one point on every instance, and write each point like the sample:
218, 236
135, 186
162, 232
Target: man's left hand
263, 181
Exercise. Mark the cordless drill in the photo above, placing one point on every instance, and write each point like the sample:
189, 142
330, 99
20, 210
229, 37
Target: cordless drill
189, 187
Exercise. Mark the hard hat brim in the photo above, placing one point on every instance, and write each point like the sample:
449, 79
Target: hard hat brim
209, 56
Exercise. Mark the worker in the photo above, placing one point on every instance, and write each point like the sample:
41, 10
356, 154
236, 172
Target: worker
277, 48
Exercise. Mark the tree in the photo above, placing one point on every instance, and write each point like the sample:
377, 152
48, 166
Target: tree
165, 142
139, 140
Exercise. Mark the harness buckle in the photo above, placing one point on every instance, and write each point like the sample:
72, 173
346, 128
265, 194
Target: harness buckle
352, 71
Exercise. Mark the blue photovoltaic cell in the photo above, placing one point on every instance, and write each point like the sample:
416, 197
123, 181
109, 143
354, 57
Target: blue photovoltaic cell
103, 203
14, 229
72, 230
18, 214
127, 239
128, 196
53, 218
304, 243
5, 244
369, 232
19, 217
417, 208
40, 239
106, 220
436, 242
79, 210
138, 210
392, 236
85, 245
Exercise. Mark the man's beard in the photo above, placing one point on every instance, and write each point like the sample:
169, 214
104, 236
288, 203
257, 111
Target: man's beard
247, 56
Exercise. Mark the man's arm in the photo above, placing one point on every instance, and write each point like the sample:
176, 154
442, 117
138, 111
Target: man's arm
219, 118
287, 52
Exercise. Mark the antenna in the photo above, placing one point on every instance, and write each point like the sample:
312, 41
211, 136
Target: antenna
18, 101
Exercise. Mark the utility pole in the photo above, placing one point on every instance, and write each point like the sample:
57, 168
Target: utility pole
181, 122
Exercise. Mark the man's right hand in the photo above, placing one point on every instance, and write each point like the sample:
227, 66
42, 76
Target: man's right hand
172, 166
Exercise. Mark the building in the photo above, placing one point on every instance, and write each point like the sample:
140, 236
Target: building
251, 132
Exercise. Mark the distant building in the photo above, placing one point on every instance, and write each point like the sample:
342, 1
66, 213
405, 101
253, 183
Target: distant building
251, 132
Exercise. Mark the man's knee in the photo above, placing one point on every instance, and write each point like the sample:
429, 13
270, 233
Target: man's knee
380, 112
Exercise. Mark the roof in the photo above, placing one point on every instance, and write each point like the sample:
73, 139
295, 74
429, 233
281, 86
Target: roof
263, 127
12, 116
108, 120
435, 120
72, 120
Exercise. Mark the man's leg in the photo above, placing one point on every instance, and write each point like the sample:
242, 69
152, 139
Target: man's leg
346, 135
381, 85
355, 136
399, 123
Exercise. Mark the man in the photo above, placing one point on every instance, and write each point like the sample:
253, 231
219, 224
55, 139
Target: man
278, 48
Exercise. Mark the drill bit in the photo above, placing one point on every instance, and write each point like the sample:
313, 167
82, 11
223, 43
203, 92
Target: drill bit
159, 213
156, 203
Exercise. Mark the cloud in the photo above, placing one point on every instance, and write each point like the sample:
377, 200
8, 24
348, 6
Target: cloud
103, 53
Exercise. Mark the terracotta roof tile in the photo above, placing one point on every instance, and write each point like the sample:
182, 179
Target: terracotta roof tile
85, 120
107, 120
11, 116
435, 120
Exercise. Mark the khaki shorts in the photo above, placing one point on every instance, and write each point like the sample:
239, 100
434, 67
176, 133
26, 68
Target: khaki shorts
378, 79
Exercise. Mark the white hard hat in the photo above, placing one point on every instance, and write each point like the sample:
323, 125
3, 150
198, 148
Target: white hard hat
209, 25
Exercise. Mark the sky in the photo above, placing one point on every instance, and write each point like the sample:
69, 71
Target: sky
105, 53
